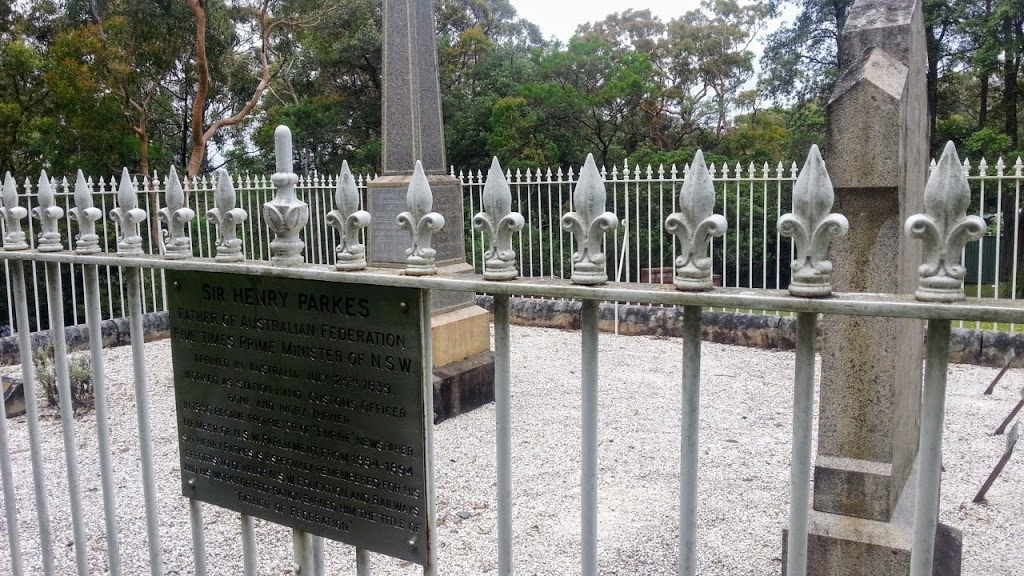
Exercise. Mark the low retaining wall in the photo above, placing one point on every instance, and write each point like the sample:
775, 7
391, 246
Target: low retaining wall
981, 347
114, 332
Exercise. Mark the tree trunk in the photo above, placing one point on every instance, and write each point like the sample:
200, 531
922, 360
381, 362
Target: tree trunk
984, 73
934, 50
198, 152
1011, 66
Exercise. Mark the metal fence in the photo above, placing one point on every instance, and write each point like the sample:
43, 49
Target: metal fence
940, 300
753, 254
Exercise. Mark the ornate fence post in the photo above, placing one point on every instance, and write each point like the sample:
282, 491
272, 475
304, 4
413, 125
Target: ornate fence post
286, 215
588, 224
87, 241
177, 243
944, 228
421, 223
812, 228
348, 220
694, 225
228, 219
499, 222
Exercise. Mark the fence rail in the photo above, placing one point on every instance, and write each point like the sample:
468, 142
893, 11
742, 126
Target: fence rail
752, 255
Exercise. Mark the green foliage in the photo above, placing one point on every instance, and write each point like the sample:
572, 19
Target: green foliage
987, 143
79, 375
84, 84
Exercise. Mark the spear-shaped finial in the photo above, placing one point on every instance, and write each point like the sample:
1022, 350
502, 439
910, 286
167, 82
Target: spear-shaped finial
88, 242
128, 215
13, 214
177, 243
348, 220
49, 215
694, 225
812, 227
228, 218
945, 228
588, 224
421, 223
499, 222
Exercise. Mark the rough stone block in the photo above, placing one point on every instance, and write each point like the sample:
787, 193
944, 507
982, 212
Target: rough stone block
460, 334
843, 546
463, 386
14, 397
862, 153
883, 24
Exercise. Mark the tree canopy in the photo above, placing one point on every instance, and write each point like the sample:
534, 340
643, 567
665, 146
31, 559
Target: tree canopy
97, 84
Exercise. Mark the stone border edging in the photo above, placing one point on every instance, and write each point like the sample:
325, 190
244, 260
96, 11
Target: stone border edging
115, 333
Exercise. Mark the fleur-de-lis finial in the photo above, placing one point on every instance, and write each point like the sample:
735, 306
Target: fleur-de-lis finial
812, 227
499, 222
286, 215
588, 224
177, 243
348, 220
88, 242
421, 223
694, 225
945, 228
13, 215
228, 218
128, 215
49, 215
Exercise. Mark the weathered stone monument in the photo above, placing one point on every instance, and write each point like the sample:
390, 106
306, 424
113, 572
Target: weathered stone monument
869, 413
413, 131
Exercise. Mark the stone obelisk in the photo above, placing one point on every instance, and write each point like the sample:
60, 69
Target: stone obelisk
413, 131
870, 400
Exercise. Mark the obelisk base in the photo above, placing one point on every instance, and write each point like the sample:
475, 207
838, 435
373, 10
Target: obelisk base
870, 548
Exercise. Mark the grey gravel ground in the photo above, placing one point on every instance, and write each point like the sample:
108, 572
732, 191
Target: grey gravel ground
745, 443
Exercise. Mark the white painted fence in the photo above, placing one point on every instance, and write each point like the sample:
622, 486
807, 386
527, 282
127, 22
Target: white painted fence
939, 300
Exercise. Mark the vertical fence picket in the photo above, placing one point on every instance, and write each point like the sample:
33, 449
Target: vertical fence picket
249, 564
49, 215
694, 224
195, 510
10, 498
800, 463
944, 229
999, 230
128, 218
689, 450
503, 415
588, 480
32, 413
93, 321
1018, 170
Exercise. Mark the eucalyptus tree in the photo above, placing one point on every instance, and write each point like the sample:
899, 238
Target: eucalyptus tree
711, 53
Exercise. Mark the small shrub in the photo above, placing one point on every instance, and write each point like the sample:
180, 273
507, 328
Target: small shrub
80, 375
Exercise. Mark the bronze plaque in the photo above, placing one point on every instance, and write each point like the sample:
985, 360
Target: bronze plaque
301, 402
